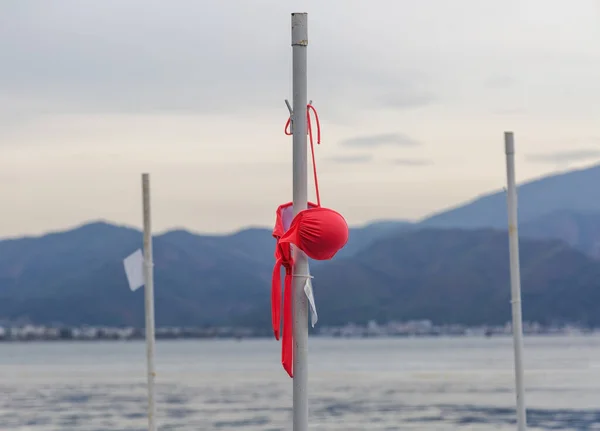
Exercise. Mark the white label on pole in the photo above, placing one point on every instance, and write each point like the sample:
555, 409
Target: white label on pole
311, 300
134, 269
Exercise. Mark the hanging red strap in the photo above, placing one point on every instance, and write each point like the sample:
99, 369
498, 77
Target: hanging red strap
287, 343
283, 258
288, 132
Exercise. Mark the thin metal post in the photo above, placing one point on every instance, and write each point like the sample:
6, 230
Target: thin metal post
300, 185
149, 301
515, 278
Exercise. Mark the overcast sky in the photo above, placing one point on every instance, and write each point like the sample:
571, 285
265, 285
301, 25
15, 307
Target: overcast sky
413, 98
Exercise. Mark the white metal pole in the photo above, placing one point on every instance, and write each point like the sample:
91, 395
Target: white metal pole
515, 278
149, 301
300, 185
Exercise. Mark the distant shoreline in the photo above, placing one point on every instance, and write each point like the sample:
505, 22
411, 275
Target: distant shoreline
383, 337
421, 329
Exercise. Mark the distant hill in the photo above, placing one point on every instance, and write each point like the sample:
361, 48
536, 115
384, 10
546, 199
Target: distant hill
580, 230
364, 236
574, 191
450, 268
458, 276
76, 277
565, 206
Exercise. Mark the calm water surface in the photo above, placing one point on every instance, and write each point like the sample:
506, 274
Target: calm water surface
374, 384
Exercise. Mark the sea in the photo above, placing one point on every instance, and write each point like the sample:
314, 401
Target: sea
439, 384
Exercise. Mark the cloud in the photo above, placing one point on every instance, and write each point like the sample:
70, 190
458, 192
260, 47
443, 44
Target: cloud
590, 139
412, 162
402, 89
509, 111
406, 98
191, 92
500, 82
352, 159
87, 58
569, 156
386, 139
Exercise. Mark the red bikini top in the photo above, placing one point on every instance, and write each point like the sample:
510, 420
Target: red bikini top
320, 233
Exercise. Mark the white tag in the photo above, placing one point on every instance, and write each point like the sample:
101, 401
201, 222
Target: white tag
134, 269
311, 300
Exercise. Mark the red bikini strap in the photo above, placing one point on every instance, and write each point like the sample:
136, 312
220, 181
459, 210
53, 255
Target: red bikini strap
288, 132
287, 343
276, 298
283, 257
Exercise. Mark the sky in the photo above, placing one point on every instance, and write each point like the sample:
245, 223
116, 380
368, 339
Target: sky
413, 100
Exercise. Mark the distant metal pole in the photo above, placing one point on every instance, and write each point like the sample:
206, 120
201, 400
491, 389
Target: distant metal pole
149, 301
300, 185
515, 278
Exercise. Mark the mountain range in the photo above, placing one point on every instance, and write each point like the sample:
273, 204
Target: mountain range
451, 267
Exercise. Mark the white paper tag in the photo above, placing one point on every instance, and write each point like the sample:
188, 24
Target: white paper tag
134, 269
308, 290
